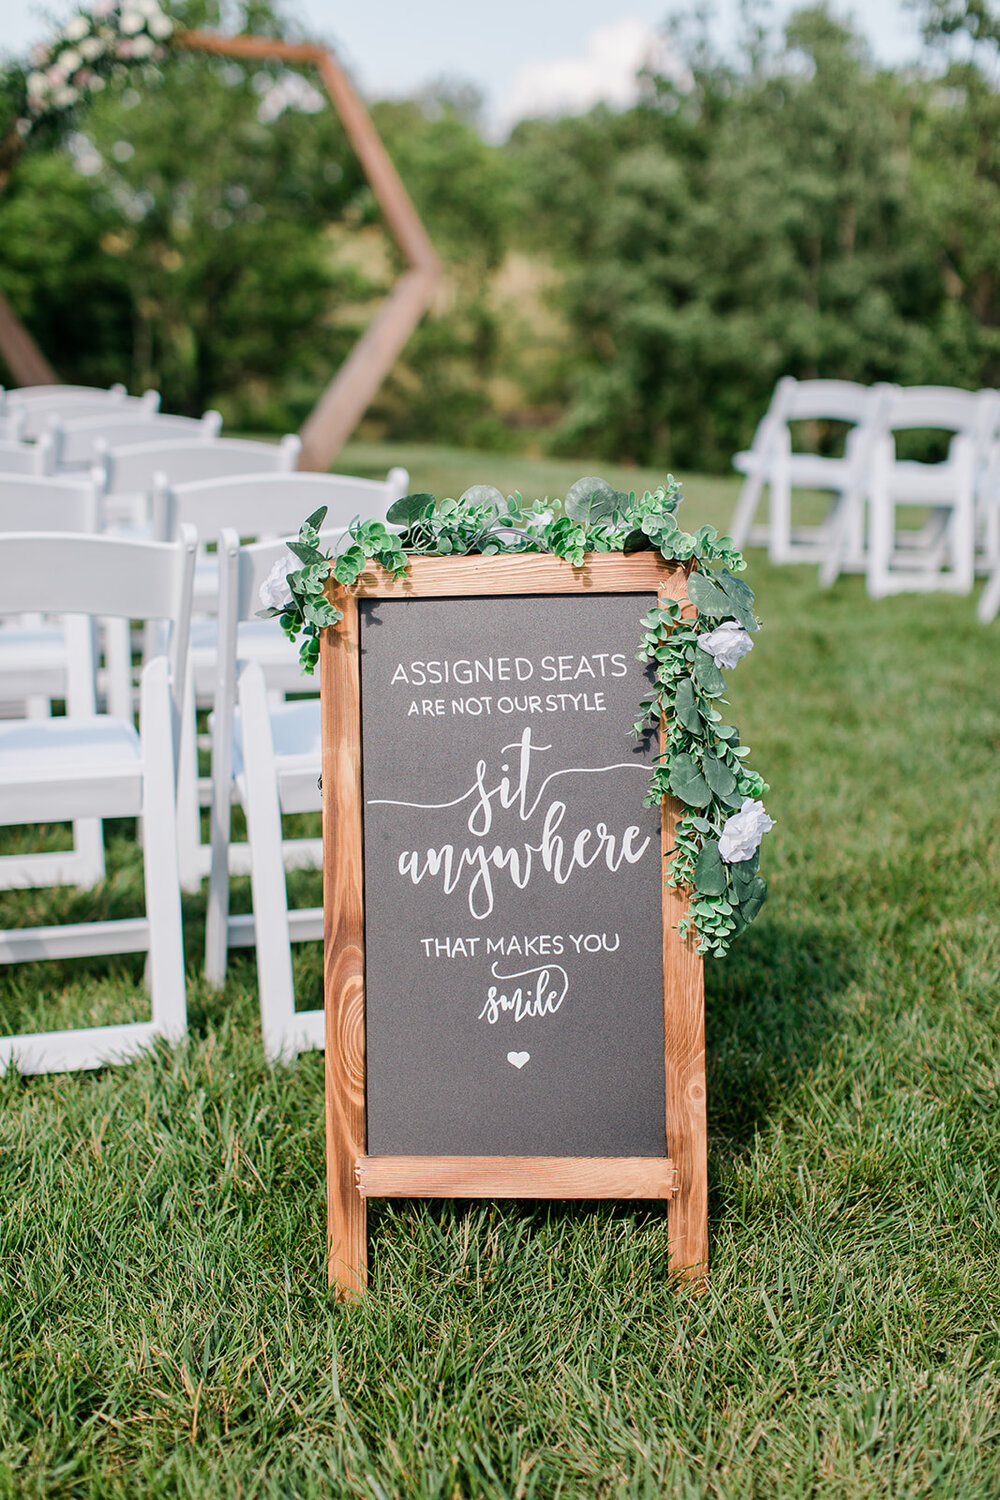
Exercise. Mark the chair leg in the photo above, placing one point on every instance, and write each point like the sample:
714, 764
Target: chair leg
188, 810
989, 599
220, 822
746, 509
779, 545
267, 868
165, 967
88, 844
842, 526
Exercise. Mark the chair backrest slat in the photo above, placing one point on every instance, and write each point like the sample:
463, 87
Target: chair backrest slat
271, 505
40, 413
29, 394
80, 441
132, 468
31, 503
828, 400
942, 408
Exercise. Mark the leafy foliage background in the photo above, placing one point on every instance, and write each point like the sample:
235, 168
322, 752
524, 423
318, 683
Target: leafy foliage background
627, 284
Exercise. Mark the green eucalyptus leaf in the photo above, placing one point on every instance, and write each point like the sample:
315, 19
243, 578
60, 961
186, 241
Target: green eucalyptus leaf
636, 541
305, 552
740, 592
686, 706
409, 508
687, 782
484, 496
590, 499
315, 521
740, 600
320, 612
708, 598
348, 565
752, 902
744, 871
707, 675
719, 777
709, 870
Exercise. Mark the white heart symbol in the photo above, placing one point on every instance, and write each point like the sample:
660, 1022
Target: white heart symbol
518, 1059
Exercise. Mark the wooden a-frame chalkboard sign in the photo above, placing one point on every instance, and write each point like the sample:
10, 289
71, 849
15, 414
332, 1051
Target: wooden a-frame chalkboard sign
510, 1012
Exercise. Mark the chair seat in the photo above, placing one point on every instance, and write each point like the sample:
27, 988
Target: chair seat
56, 769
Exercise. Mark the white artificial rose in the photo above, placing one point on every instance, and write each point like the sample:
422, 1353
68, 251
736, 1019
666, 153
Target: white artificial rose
64, 97
274, 591
38, 86
142, 46
743, 832
131, 22
78, 27
726, 643
70, 60
160, 26
91, 48
56, 74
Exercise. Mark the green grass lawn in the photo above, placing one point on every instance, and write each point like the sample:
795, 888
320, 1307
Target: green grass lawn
165, 1329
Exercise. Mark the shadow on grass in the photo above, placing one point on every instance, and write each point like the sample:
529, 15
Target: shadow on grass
771, 1011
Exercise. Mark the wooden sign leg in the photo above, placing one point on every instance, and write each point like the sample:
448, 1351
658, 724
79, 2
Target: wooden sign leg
684, 1052
347, 1226
684, 1059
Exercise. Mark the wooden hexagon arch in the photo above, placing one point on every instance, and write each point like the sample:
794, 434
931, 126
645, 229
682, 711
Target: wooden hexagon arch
349, 393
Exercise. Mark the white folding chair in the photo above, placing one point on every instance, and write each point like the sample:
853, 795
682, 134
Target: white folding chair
80, 442
255, 505
265, 756
41, 409
95, 766
940, 554
27, 458
131, 469
772, 462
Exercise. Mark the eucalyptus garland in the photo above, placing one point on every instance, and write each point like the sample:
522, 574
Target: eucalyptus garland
702, 764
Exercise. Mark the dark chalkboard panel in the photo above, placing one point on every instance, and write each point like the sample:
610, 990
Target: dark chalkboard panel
513, 947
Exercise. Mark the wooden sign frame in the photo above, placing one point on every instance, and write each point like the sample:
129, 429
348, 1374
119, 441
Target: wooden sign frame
352, 1176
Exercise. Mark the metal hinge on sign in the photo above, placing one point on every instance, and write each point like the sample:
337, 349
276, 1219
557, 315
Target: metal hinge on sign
319, 782
675, 1180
